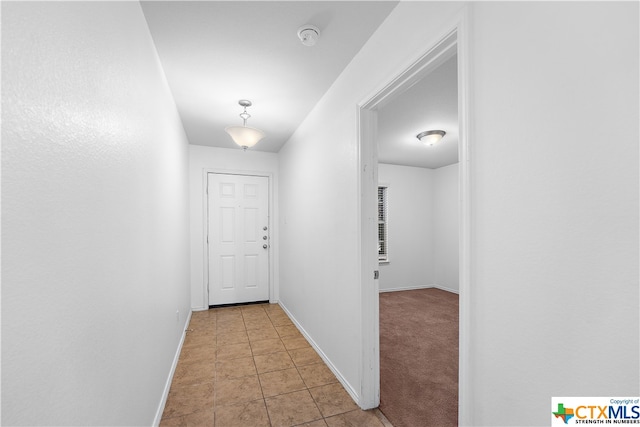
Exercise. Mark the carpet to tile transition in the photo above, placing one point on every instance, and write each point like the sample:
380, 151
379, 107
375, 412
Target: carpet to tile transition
419, 358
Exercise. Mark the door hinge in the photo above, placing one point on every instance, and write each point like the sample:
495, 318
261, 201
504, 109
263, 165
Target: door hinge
376, 275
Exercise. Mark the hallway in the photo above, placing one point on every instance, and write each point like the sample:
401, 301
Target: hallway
250, 366
103, 213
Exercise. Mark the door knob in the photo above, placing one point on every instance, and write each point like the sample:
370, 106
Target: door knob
264, 246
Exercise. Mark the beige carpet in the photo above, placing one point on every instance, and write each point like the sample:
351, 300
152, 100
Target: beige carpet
419, 358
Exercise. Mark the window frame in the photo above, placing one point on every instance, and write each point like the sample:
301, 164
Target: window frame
383, 220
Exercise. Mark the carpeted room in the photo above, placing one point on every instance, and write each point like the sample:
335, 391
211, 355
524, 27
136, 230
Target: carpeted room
419, 357
418, 325
418, 231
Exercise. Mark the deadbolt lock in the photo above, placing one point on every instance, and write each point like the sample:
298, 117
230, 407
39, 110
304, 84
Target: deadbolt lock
264, 237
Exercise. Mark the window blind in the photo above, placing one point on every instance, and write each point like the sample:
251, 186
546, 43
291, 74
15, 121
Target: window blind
383, 250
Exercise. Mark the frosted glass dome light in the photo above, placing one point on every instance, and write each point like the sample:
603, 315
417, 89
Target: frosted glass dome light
244, 135
430, 137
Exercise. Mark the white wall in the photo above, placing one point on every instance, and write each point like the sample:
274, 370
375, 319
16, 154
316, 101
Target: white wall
410, 227
423, 228
202, 159
446, 260
319, 266
554, 175
94, 216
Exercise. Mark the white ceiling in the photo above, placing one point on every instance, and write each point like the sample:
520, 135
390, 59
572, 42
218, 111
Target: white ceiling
217, 52
430, 104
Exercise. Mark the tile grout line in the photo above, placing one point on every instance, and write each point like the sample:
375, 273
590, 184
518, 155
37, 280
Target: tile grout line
261, 325
253, 358
265, 400
303, 381
215, 361
187, 385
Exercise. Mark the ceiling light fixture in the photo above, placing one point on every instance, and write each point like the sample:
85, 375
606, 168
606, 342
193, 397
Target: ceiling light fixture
430, 137
243, 135
308, 34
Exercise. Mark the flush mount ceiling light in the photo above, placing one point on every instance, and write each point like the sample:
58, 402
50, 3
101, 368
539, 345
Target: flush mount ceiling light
308, 34
430, 137
243, 135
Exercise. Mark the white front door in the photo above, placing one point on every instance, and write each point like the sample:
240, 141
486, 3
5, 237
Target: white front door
238, 238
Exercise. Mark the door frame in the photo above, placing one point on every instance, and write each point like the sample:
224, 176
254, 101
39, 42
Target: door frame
454, 40
273, 294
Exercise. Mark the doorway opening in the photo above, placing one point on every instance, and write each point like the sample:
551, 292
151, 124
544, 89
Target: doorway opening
418, 279
452, 43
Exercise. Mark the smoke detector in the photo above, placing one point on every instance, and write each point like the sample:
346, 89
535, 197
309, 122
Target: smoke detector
308, 34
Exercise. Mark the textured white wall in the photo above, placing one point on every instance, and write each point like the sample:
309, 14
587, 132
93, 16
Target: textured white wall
411, 227
554, 175
423, 227
319, 266
446, 259
203, 158
94, 216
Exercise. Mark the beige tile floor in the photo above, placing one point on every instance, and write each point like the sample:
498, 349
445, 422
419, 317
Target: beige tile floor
249, 366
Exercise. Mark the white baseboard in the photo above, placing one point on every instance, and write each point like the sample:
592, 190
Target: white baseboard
354, 395
411, 288
443, 288
406, 288
199, 309
167, 386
